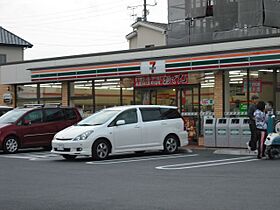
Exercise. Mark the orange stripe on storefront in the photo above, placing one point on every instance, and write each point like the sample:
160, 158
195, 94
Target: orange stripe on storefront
224, 56
85, 68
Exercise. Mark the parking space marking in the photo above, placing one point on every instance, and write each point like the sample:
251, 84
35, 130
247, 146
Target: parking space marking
130, 160
32, 156
206, 163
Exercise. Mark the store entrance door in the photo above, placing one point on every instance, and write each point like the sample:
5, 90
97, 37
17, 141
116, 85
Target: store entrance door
156, 96
190, 108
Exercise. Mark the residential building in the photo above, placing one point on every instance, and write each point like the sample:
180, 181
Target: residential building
147, 34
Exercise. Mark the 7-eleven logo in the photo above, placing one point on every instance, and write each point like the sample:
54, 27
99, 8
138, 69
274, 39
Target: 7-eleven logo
153, 67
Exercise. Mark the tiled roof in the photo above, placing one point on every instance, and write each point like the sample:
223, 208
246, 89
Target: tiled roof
8, 38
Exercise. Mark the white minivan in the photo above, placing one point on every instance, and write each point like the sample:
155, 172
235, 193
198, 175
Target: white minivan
134, 128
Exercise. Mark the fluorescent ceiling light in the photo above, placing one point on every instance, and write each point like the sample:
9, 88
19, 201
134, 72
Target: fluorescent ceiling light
236, 79
254, 74
209, 77
234, 72
208, 73
266, 70
235, 75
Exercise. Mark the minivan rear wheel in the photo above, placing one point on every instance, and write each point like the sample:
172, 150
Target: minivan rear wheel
170, 144
10, 144
100, 150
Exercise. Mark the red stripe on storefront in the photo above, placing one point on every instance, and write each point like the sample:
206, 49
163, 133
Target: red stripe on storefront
234, 65
205, 67
178, 69
264, 63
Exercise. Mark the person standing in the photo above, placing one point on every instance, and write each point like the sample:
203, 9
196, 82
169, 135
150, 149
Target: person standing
271, 117
261, 119
252, 144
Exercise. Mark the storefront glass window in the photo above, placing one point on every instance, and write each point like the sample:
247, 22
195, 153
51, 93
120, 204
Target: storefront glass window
235, 87
238, 90
81, 96
263, 83
127, 90
107, 93
81, 89
27, 91
26, 94
50, 90
207, 91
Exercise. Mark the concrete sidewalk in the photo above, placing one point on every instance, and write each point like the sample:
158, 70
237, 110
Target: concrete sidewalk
222, 151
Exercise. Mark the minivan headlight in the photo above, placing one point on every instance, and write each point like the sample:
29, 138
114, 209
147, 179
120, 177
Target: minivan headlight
83, 136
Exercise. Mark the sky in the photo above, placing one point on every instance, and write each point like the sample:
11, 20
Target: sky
72, 27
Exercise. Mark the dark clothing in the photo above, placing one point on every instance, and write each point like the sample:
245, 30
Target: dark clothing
251, 111
261, 135
253, 141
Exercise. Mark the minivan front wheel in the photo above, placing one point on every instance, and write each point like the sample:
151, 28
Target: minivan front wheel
170, 144
100, 150
10, 144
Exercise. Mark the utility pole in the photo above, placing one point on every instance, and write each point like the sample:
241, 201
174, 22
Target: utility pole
145, 11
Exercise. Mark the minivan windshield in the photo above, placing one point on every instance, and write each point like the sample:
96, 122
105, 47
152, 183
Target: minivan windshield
11, 116
98, 118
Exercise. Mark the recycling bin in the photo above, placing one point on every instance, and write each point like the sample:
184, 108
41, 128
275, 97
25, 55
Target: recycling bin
209, 126
222, 132
234, 139
245, 132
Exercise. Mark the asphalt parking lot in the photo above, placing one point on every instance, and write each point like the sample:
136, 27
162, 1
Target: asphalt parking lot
197, 179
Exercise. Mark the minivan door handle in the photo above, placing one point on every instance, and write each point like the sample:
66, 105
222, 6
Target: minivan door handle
163, 123
137, 126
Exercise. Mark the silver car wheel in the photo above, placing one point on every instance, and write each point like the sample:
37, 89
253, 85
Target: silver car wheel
102, 150
11, 145
171, 144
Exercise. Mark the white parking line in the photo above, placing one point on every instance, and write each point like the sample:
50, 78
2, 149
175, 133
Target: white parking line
31, 156
107, 162
206, 163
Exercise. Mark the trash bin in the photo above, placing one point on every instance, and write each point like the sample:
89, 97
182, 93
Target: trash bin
245, 132
234, 132
222, 132
209, 126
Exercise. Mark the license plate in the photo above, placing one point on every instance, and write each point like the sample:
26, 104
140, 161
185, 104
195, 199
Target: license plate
60, 147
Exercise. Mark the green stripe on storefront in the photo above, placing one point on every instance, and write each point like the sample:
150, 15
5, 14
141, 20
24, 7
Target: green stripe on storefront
208, 62
43, 75
174, 65
86, 72
265, 57
134, 68
66, 74
35, 76
234, 60
106, 70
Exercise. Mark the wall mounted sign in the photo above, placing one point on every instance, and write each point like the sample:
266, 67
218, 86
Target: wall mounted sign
161, 80
153, 67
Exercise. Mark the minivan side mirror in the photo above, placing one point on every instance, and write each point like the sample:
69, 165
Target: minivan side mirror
120, 122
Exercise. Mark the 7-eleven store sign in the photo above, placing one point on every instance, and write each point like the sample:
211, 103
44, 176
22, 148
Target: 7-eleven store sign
153, 67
